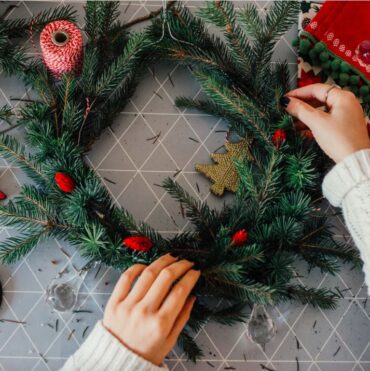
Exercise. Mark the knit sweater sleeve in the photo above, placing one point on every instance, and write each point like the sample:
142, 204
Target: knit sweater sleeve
102, 352
347, 186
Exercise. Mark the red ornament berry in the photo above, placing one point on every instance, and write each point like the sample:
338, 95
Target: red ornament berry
3, 196
138, 243
239, 238
65, 182
279, 138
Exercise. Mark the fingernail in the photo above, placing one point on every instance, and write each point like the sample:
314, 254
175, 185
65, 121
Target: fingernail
173, 257
284, 101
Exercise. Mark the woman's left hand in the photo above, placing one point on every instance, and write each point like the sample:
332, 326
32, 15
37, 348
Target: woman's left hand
148, 316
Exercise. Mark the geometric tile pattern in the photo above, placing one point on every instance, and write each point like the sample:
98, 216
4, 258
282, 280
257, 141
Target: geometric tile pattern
131, 162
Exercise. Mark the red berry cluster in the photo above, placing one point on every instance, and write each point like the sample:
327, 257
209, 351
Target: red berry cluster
64, 182
240, 237
138, 243
279, 137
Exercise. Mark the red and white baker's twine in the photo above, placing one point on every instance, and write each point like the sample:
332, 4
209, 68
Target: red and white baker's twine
60, 59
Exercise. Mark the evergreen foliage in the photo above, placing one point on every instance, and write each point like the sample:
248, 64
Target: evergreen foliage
274, 203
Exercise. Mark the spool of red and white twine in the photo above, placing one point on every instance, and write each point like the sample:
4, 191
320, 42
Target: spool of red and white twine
62, 48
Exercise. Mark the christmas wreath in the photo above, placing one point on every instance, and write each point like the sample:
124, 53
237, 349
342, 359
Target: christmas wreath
247, 251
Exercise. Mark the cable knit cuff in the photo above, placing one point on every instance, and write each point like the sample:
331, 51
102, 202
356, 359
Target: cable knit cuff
102, 351
346, 175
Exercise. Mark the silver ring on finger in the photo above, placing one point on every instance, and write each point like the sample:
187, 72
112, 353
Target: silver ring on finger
331, 88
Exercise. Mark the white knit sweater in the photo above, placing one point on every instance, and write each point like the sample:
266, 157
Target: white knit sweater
347, 185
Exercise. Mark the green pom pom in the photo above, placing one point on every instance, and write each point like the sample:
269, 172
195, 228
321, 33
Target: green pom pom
335, 65
304, 45
326, 65
364, 90
315, 62
354, 90
324, 56
335, 75
366, 98
354, 80
344, 67
295, 43
343, 77
312, 54
320, 47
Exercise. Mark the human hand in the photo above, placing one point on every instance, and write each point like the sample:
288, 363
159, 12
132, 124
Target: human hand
149, 316
339, 132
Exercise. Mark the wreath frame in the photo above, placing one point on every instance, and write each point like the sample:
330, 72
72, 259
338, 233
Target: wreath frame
68, 201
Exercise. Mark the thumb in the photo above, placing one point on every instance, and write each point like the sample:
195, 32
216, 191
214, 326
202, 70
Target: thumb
304, 112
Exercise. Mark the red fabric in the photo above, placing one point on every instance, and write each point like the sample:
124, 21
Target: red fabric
3, 196
138, 243
308, 78
239, 238
342, 26
64, 182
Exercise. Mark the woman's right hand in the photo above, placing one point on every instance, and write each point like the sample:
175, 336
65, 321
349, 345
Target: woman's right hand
339, 132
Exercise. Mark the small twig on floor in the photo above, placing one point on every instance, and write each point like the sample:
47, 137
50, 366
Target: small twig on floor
65, 252
128, 5
82, 311
155, 138
43, 358
297, 341
297, 362
56, 325
210, 364
336, 352
177, 173
194, 140
71, 334
10, 128
157, 94
109, 181
84, 331
97, 272
266, 368
13, 321
170, 80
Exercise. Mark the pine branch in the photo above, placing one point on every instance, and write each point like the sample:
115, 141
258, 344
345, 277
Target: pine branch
13, 248
19, 27
229, 280
234, 103
11, 150
189, 346
321, 298
203, 218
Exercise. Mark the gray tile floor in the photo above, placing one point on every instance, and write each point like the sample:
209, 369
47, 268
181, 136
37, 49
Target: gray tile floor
307, 339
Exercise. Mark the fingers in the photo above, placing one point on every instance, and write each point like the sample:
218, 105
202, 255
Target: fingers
148, 277
125, 283
181, 321
309, 115
177, 297
316, 93
162, 285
